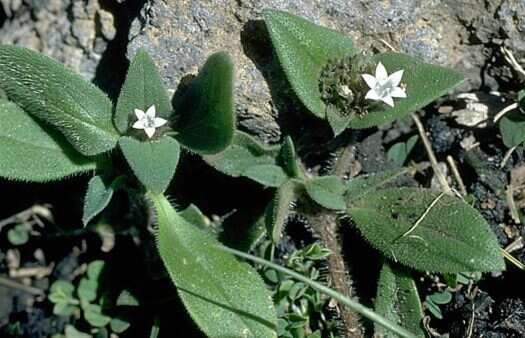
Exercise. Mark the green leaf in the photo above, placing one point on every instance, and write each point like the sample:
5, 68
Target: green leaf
87, 290
98, 196
29, 152
250, 158
95, 269
93, 315
303, 49
142, 89
53, 93
205, 118
288, 158
279, 209
119, 324
153, 162
64, 309
72, 332
398, 300
399, 152
424, 83
327, 191
358, 187
440, 297
19, 235
224, 297
268, 175
512, 128
126, 298
427, 231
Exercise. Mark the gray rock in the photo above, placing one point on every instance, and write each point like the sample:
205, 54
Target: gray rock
63, 29
181, 34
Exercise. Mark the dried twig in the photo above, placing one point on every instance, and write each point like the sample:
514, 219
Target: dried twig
457, 175
445, 187
10, 283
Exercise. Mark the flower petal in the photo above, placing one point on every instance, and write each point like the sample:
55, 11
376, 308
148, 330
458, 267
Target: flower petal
398, 92
395, 78
139, 114
372, 95
159, 122
381, 73
388, 100
139, 124
149, 131
151, 112
370, 80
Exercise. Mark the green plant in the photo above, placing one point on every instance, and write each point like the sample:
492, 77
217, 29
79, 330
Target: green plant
325, 70
88, 298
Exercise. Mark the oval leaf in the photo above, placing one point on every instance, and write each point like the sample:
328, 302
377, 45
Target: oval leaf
398, 300
142, 89
53, 93
424, 83
223, 296
303, 49
153, 162
98, 196
205, 119
427, 231
29, 152
327, 191
512, 128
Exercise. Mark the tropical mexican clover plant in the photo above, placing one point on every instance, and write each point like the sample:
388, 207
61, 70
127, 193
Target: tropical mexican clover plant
56, 125
415, 229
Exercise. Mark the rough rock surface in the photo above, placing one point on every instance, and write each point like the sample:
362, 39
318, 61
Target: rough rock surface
90, 36
462, 34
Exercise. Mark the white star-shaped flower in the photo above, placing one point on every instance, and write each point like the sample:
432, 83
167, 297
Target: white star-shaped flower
148, 121
384, 87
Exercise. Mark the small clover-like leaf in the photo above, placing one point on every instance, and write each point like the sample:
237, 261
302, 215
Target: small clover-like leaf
205, 118
423, 84
46, 89
279, 209
142, 89
29, 151
224, 297
98, 195
304, 49
399, 152
327, 191
19, 235
427, 231
94, 316
87, 290
398, 300
153, 162
512, 128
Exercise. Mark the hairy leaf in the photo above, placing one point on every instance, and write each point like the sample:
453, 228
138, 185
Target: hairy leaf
358, 187
279, 209
398, 300
205, 115
303, 49
248, 157
427, 231
98, 195
327, 191
31, 152
153, 162
424, 83
224, 297
142, 89
51, 92
288, 158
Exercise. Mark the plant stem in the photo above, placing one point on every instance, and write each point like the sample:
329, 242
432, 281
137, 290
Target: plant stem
357, 307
